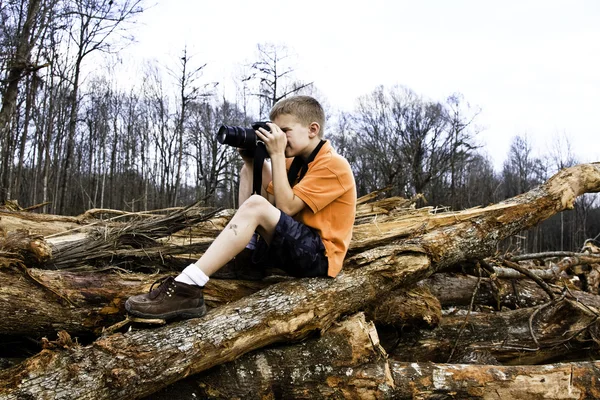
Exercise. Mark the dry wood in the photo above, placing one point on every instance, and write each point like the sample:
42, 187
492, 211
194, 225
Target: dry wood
38, 303
139, 363
139, 234
498, 294
416, 308
309, 371
37, 224
301, 370
563, 329
69, 242
429, 381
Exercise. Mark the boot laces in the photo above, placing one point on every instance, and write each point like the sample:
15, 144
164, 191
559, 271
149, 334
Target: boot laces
165, 285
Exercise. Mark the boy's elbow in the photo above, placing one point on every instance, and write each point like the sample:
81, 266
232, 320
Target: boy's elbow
287, 211
292, 207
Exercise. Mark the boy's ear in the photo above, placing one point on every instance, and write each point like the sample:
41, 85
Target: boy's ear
313, 129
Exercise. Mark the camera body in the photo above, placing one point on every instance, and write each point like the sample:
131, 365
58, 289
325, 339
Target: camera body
244, 139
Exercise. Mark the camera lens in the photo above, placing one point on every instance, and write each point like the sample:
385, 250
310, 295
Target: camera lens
244, 138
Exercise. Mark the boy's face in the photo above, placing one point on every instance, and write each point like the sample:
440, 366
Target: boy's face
300, 138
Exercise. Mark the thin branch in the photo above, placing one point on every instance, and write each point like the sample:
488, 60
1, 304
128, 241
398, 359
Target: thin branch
550, 254
531, 276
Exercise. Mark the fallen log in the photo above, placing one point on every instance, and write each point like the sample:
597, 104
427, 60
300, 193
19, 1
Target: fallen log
416, 308
136, 364
558, 330
37, 224
101, 243
139, 363
302, 370
39, 303
457, 290
427, 381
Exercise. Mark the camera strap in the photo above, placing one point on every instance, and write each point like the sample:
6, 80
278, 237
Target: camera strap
299, 165
259, 158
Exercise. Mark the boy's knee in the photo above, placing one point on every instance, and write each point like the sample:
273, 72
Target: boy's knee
255, 204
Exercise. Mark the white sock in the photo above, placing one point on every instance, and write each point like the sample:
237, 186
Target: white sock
192, 275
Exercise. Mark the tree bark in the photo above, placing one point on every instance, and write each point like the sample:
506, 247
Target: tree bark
424, 381
458, 289
137, 364
427, 381
563, 329
308, 371
302, 370
36, 224
39, 303
19, 65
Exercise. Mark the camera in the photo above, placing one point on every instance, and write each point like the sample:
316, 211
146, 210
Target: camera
242, 138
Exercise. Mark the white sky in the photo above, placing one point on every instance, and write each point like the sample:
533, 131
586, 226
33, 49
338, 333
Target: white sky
533, 67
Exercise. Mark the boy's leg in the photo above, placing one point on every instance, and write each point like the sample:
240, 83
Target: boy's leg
182, 296
295, 248
256, 214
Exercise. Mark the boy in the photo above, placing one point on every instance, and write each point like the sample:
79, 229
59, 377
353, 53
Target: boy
305, 228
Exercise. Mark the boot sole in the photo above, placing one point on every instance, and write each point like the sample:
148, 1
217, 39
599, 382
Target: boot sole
187, 313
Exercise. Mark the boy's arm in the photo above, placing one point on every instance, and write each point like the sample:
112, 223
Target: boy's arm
284, 197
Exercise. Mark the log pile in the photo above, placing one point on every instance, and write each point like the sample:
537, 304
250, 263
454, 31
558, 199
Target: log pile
426, 307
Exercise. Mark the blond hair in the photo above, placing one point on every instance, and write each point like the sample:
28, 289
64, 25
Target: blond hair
305, 108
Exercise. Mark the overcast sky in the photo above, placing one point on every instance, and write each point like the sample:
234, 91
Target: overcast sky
533, 67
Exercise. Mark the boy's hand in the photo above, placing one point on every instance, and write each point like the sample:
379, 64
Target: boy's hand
275, 141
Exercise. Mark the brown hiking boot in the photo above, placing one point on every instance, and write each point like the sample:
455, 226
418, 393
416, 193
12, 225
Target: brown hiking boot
169, 300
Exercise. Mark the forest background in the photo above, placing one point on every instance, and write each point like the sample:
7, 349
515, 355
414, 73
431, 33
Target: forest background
74, 136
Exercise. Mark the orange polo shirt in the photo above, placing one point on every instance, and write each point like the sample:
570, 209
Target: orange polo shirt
329, 191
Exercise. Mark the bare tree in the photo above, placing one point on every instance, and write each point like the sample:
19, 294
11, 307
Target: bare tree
561, 154
406, 140
216, 165
522, 171
378, 161
188, 91
461, 117
27, 14
163, 139
274, 75
481, 183
94, 26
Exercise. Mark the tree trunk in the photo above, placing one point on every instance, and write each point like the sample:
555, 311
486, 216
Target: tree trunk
18, 67
136, 364
314, 369
411, 381
457, 290
559, 330
39, 303
427, 381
